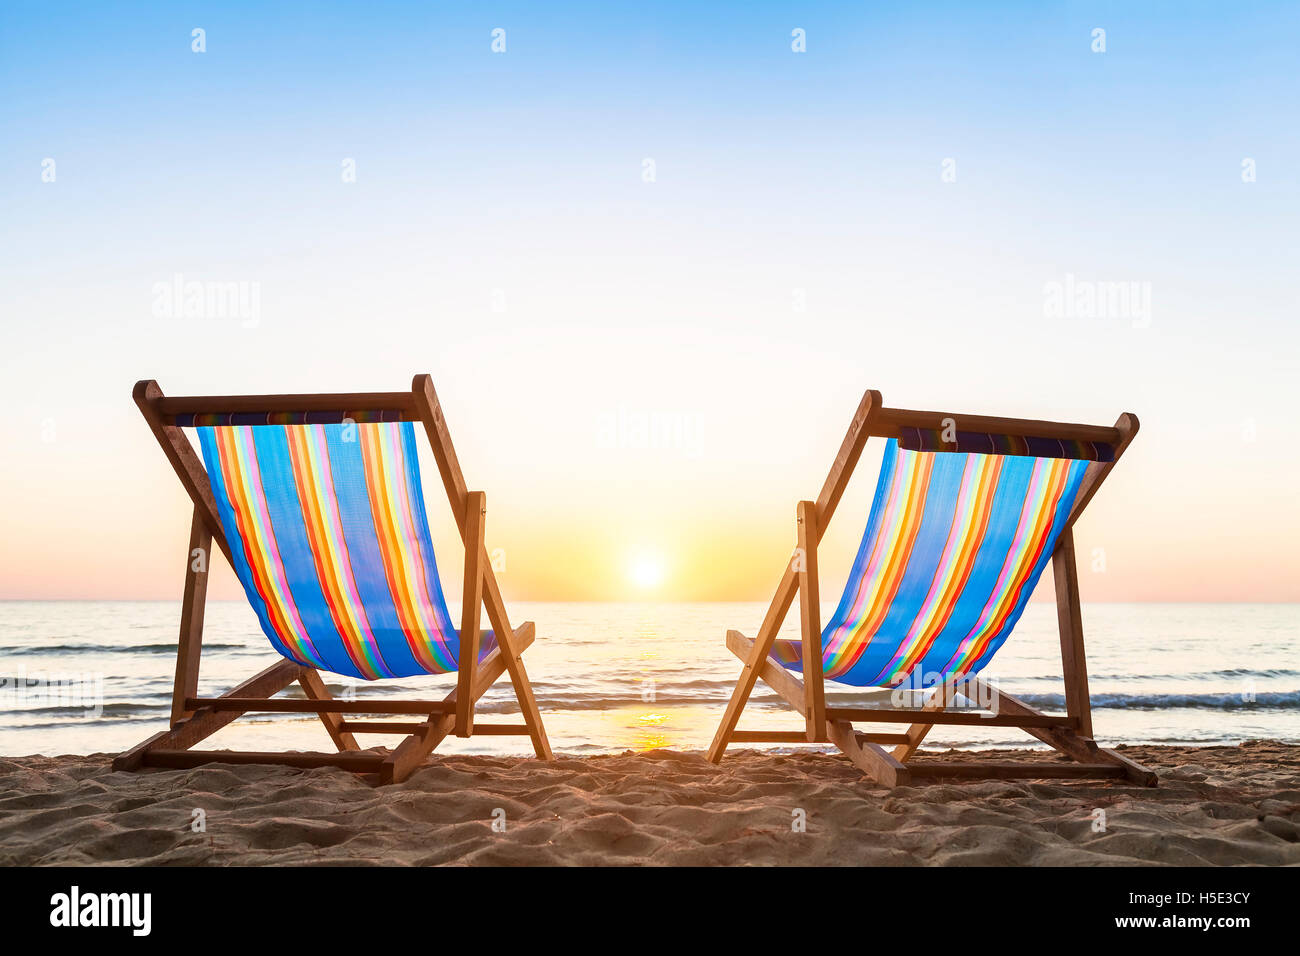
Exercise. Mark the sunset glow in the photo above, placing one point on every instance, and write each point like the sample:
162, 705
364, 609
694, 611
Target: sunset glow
646, 571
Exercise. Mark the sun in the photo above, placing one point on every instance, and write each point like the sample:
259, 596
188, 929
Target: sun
646, 570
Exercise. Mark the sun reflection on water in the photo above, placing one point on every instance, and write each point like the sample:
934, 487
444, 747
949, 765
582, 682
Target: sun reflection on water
652, 732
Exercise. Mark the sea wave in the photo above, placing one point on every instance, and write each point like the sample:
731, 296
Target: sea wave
1263, 700
1231, 673
50, 650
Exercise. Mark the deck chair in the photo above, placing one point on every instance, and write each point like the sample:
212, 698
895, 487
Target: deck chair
968, 510
316, 502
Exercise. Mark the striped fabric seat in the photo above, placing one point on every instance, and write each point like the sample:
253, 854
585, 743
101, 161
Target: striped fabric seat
327, 529
953, 548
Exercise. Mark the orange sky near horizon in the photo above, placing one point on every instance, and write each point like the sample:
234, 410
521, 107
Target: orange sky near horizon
584, 510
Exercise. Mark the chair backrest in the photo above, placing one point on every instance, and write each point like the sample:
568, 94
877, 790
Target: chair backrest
953, 548
329, 537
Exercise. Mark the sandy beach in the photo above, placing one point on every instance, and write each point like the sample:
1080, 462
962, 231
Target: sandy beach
1214, 806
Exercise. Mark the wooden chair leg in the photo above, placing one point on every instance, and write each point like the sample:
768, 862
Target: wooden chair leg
528, 708
776, 613
810, 624
194, 601
471, 607
871, 759
315, 689
1069, 616
917, 733
410, 753
514, 664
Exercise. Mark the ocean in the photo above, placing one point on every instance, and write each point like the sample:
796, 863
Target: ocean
617, 677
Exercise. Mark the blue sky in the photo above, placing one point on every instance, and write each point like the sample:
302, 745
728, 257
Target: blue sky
500, 235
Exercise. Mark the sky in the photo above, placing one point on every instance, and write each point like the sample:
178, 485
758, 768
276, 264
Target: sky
652, 255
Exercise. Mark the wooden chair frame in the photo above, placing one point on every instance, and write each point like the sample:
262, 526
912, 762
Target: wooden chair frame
1071, 733
194, 718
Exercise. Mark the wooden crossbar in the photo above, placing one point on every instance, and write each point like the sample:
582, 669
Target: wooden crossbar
361, 762
769, 736
402, 727
801, 737
1008, 770
168, 408
289, 705
891, 420
501, 730
406, 727
908, 715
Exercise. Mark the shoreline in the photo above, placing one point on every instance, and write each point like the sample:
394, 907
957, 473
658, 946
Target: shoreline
1216, 805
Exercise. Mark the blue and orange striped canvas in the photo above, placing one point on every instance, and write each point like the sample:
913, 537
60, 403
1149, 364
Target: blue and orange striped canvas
952, 550
329, 536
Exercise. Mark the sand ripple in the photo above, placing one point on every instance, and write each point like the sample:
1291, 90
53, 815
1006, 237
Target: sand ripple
1215, 805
